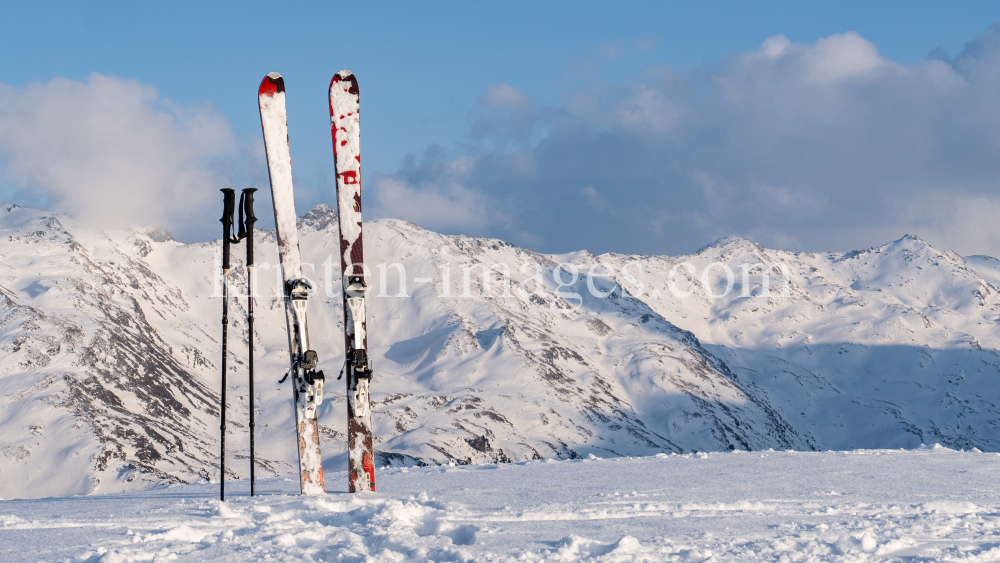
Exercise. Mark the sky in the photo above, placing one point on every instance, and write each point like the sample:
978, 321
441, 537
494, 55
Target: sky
656, 127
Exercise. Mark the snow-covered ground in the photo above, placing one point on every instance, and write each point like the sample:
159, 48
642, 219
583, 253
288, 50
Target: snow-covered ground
928, 504
110, 382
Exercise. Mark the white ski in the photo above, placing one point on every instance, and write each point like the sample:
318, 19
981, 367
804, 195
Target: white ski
307, 383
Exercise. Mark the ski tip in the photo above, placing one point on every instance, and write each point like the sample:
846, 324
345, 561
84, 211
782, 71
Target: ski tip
272, 84
345, 78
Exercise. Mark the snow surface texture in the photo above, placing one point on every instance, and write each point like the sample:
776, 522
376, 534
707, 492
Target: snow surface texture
930, 504
109, 380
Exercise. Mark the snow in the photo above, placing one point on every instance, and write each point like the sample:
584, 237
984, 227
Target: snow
926, 504
887, 347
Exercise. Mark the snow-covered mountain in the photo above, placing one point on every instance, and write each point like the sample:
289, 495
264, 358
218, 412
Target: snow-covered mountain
110, 377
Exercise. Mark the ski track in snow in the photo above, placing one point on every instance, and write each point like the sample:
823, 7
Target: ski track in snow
929, 504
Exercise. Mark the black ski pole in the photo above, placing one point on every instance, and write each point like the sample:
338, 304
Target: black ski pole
228, 201
248, 234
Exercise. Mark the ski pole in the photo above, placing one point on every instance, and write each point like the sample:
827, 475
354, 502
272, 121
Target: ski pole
247, 198
228, 201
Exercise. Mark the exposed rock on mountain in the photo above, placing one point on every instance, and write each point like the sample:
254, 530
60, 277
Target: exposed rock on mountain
483, 352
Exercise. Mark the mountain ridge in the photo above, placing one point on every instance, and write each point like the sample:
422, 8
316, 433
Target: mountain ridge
112, 343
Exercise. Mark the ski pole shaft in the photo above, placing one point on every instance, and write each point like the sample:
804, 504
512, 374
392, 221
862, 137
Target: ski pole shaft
222, 426
228, 199
247, 229
250, 365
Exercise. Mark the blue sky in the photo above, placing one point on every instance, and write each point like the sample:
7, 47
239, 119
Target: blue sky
475, 117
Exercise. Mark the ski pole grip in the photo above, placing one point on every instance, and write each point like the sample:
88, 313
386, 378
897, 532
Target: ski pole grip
250, 220
241, 225
228, 202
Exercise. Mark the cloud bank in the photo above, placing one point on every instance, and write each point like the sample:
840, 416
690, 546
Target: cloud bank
114, 153
824, 146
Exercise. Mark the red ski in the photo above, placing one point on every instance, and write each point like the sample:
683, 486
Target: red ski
346, 125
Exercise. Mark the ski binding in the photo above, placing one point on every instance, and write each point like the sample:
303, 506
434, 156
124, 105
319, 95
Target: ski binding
308, 380
356, 288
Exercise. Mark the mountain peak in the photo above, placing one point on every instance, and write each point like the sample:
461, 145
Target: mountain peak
321, 217
159, 234
910, 239
908, 242
730, 243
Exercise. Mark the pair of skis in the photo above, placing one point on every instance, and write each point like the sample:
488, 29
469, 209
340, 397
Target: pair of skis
307, 381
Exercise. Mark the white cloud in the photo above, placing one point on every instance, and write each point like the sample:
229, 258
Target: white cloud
113, 152
775, 46
841, 56
503, 95
966, 224
822, 146
594, 198
443, 205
